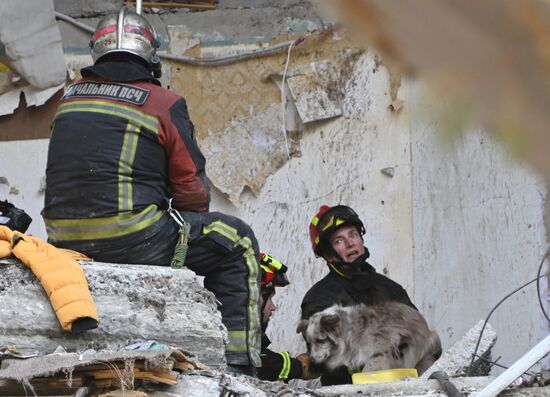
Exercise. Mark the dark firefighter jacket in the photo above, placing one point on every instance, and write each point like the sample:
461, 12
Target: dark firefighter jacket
120, 146
350, 284
61, 276
278, 366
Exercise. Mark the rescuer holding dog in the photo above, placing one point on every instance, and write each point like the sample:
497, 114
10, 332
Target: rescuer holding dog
337, 236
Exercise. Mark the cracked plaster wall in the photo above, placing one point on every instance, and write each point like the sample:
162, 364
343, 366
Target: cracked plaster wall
459, 226
340, 162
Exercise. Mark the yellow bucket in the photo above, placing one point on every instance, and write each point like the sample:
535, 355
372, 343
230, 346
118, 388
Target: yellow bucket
385, 375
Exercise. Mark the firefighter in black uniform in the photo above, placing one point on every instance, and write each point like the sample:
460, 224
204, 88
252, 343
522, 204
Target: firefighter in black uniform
337, 236
121, 148
277, 366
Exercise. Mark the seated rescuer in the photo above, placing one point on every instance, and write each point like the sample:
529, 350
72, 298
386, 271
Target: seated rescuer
337, 236
277, 366
121, 146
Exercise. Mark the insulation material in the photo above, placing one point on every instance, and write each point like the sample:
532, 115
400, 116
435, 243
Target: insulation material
34, 49
247, 152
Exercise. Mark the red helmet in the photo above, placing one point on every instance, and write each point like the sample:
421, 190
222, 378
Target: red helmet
273, 273
327, 221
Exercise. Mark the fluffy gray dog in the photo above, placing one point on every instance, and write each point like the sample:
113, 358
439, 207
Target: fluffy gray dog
371, 338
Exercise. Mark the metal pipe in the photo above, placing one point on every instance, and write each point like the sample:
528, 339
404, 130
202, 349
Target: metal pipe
74, 22
517, 369
204, 61
226, 59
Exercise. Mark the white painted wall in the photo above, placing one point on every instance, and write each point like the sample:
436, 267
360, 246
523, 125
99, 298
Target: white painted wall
458, 228
478, 234
460, 231
23, 164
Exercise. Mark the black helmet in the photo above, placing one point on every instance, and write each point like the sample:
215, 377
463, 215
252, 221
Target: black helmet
327, 221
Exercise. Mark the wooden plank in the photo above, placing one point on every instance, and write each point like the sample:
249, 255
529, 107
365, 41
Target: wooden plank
53, 385
102, 383
166, 379
162, 376
169, 364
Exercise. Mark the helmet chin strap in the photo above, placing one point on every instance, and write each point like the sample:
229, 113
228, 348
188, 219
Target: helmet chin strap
343, 266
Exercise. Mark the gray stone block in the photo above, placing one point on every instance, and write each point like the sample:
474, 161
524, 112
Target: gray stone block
135, 303
87, 8
456, 360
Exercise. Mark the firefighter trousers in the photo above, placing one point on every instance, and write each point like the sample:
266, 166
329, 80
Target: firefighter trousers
222, 248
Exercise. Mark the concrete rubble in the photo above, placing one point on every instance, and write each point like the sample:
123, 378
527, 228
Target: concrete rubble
456, 360
135, 303
138, 303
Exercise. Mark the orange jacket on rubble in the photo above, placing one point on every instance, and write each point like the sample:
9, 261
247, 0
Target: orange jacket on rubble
58, 271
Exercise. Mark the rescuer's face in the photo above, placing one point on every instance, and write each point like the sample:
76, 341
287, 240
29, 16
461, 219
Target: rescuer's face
347, 242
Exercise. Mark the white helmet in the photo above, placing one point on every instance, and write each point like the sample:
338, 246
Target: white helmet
128, 32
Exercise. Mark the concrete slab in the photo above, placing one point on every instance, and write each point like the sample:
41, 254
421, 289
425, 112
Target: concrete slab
87, 8
456, 360
412, 388
135, 303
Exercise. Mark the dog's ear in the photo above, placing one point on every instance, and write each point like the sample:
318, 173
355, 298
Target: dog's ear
330, 322
302, 325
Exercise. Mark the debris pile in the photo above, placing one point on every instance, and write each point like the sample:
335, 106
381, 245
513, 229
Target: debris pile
148, 316
65, 373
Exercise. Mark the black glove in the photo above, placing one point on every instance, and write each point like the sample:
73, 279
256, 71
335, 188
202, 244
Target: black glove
13, 217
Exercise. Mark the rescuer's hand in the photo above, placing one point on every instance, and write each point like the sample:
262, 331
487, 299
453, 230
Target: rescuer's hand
308, 369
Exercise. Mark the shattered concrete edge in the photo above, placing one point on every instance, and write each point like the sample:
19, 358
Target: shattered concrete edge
21, 369
136, 303
219, 384
456, 360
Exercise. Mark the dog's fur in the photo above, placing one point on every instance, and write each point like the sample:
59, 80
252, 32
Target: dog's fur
371, 338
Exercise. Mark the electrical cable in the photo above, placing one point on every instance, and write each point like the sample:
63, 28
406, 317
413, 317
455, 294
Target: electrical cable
468, 372
538, 290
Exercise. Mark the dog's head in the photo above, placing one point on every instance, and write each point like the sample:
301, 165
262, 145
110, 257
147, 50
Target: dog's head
323, 335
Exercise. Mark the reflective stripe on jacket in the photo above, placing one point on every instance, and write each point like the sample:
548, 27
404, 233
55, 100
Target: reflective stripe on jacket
59, 273
278, 366
117, 151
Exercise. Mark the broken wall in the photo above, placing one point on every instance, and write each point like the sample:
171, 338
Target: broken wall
456, 227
